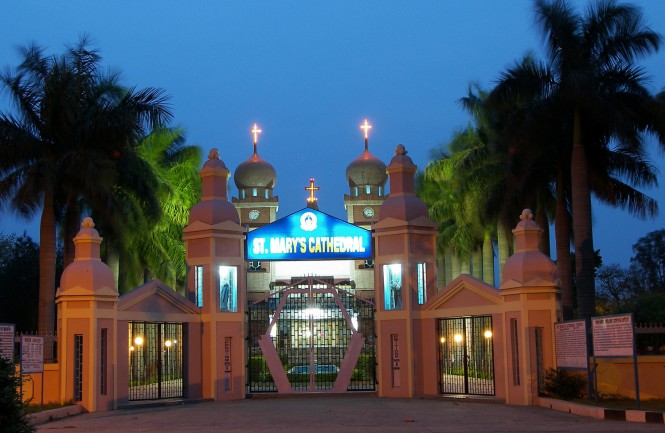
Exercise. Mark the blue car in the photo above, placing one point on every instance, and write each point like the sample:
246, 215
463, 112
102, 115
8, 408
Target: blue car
319, 369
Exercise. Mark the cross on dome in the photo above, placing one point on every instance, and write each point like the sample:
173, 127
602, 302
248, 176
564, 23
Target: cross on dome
311, 188
366, 127
256, 131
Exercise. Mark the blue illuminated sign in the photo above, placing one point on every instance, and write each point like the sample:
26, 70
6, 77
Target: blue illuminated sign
309, 235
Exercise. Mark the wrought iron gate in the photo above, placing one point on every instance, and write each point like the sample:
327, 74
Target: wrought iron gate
155, 360
311, 335
466, 355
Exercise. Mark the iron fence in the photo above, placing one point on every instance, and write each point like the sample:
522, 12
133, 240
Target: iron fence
466, 355
155, 360
650, 338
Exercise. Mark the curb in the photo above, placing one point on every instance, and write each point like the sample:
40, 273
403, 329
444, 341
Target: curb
603, 413
54, 414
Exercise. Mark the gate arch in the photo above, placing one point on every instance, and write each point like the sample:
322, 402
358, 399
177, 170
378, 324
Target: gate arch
311, 336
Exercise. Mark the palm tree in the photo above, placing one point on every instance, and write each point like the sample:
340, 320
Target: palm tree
444, 187
72, 120
158, 250
590, 86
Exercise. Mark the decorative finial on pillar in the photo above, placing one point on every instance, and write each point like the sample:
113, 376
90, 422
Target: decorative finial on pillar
214, 154
401, 150
87, 223
256, 131
366, 127
528, 266
526, 215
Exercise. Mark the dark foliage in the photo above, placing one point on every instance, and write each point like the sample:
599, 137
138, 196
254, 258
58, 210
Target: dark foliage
12, 416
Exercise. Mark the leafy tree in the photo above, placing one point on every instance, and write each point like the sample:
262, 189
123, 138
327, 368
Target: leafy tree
69, 145
650, 308
648, 261
19, 283
12, 416
614, 288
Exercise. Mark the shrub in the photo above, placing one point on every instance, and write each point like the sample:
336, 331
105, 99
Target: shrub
564, 384
12, 415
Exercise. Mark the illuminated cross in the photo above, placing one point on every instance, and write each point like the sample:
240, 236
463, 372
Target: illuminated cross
366, 127
311, 188
256, 131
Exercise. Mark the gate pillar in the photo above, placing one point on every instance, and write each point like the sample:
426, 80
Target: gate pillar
87, 314
214, 241
404, 278
531, 307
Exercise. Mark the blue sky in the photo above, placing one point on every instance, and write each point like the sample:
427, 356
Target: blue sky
308, 72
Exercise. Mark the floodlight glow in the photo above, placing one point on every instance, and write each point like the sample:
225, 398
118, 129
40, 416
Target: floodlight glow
167, 343
138, 341
314, 313
458, 338
488, 334
443, 340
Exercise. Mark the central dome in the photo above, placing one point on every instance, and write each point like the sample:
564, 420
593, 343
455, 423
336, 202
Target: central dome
255, 173
367, 169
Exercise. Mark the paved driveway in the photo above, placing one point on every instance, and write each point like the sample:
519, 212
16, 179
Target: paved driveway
340, 414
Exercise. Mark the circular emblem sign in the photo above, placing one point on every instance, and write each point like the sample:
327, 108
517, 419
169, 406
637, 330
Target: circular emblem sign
308, 221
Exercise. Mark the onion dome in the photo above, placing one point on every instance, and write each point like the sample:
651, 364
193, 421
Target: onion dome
256, 172
366, 169
214, 206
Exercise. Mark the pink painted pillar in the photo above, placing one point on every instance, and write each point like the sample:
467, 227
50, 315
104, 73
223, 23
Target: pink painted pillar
87, 314
404, 278
214, 240
530, 290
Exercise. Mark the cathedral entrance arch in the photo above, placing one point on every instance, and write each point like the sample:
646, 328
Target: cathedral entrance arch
311, 335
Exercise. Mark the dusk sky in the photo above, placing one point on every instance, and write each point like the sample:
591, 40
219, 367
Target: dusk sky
308, 73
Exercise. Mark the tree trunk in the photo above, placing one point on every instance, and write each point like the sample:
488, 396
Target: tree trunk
448, 264
113, 262
440, 271
544, 224
503, 244
582, 226
562, 233
465, 265
477, 264
72, 224
47, 253
457, 266
488, 259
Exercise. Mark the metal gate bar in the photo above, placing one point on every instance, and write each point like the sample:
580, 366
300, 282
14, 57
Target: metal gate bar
155, 360
466, 355
311, 337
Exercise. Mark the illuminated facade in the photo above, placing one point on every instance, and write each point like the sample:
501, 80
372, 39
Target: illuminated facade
264, 313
